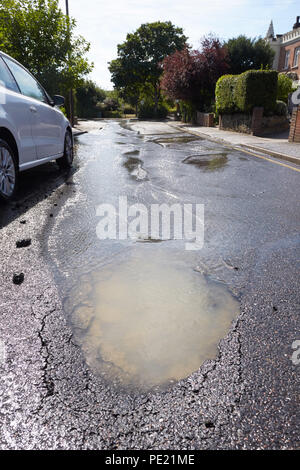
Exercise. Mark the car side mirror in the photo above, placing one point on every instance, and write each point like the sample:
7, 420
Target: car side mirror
58, 100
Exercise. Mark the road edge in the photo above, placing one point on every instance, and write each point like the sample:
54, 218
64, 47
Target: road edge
240, 147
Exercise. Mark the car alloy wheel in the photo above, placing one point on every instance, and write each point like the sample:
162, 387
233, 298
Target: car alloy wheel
7, 172
66, 160
69, 148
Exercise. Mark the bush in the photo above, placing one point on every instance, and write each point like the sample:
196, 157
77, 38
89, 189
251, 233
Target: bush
284, 87
147, 111
187, 111
111, 114
241, 93
128, 109
281, 108
225, 91
256, 88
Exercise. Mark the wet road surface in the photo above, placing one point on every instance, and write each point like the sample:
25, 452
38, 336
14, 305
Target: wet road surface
245, 395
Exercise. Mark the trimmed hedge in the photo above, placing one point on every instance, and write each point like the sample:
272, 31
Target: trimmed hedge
225, 103
241, 93
256, 88
147, 111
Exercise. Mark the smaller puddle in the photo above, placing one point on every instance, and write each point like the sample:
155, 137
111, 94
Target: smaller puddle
149, 320
135, 168
167, 141
208, 161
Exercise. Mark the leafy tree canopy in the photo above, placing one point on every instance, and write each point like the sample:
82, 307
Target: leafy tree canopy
41, 37
140, 57
88, 96
248, 54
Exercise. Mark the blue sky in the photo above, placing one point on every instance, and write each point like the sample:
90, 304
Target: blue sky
105, 23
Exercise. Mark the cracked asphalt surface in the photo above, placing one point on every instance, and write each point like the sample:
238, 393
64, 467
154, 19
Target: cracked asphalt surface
247, 398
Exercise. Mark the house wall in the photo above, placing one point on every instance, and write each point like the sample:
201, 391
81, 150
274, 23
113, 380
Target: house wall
281, 43
283, 50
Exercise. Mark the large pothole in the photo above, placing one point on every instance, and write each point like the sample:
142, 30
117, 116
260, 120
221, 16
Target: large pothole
149, 320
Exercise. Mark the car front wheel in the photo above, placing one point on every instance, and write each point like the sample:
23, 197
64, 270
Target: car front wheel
8, 171
66, 160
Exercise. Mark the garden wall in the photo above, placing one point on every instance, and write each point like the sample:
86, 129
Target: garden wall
205, 119
254, 124
295, 126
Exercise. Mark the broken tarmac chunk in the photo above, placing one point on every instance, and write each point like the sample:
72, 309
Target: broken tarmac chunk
23, 243
18, 278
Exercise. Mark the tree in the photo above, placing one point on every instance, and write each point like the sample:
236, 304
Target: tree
125, 82
88, 96
192, 75
248, 54
41, 37
140, 57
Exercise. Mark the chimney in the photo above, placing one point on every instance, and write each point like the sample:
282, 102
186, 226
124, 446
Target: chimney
297, 24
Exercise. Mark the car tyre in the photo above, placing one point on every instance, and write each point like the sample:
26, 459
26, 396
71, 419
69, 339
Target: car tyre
9, 171
66, 160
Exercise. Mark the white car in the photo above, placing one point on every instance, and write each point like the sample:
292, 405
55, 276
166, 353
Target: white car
33, 130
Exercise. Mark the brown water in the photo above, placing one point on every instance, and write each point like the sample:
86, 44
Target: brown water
149, 320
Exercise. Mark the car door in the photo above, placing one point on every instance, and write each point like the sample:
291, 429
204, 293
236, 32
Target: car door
46, 121
15, 114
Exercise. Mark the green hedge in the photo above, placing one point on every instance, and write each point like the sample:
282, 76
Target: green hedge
147, 111
256, 88
225, 87
241, 93
111, 114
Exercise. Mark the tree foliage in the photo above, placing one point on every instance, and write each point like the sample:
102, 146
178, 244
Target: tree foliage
248, 54
88, 97
41, 37
192, 75
139, 58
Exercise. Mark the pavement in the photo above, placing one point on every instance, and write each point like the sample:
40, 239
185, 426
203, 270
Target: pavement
277, 146
247, 396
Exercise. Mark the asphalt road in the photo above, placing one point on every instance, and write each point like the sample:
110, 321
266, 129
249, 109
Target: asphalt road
247, 397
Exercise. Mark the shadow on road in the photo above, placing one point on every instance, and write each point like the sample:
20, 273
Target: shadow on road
35, 185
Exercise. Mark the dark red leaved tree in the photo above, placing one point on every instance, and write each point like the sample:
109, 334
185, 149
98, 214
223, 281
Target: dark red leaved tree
191, 75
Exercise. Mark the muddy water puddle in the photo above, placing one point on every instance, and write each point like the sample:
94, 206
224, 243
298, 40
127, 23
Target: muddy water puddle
135, 168
177, 139
148, 320
209, 161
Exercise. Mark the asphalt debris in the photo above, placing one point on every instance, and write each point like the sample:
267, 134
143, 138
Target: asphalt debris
23, 243
18, 279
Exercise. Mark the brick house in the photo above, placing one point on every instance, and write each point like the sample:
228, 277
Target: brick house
287, 50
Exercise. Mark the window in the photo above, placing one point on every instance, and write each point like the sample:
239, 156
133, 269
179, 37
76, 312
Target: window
6, 78
296, 57
287, 59
27, 84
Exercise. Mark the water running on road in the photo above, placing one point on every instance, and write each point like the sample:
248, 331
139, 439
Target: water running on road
140, 312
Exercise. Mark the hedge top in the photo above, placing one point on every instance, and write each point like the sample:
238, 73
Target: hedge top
241, 93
